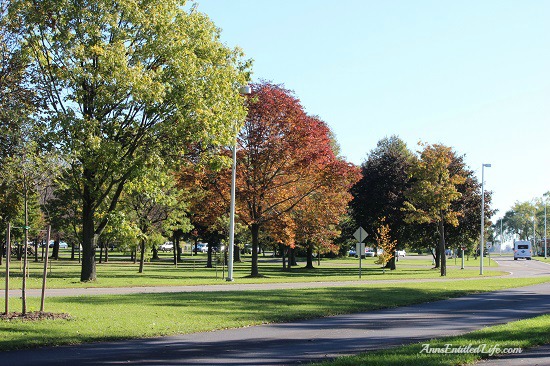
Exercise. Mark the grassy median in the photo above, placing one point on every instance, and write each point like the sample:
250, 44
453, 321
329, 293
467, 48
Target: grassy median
118, 273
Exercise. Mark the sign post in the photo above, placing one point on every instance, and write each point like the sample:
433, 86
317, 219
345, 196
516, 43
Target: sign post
360, 234
489, 245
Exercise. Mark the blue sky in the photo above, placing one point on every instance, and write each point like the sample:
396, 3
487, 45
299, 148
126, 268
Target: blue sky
474, 75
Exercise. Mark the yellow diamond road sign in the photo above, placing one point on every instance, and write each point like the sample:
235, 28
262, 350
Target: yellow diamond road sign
360, 234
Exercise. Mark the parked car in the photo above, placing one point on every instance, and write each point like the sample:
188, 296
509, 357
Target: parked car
202, 247
166, 247
62, 244
401, 253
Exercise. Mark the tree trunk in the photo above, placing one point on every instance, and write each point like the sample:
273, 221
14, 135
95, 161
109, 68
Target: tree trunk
437, 256
24, 286
237, 254
283, 255
292, 258
55, 252
442, 248
174, 250
106, 253
309, 255
35, 250
209, 256
178, 248
89, 240
142, 255
155, 252
255, 231
101, 252
391, 263
72, 251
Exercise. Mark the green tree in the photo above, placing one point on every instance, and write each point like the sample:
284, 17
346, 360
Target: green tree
466, 233
17, 102
156, 204
434, 189
518, 221
127, 83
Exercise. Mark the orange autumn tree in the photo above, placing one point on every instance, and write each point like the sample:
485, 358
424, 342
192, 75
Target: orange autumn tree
317, 217
283, 157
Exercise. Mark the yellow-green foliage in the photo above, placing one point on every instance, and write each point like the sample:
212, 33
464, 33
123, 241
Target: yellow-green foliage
384, 241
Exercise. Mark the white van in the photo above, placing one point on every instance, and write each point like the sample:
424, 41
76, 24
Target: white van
522, 249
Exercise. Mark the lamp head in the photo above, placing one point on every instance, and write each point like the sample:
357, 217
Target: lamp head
245, 90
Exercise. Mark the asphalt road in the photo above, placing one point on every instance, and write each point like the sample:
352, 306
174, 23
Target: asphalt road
299, 342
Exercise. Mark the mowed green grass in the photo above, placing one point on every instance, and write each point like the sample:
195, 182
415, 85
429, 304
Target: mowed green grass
99, 318
519, 334
65, 273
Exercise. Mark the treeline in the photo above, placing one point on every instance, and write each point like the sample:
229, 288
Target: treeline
118, 124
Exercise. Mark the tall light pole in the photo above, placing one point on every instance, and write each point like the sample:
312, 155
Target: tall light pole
534, 232
545, 232
244, 90
501, 236
482, 216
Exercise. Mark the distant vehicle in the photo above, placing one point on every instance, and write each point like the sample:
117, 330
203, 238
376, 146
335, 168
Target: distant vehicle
401, 253
485, 252
166, 247
202, 247
62, 244
522, 249
368, 253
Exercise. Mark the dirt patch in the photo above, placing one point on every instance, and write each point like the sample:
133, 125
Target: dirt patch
34, 316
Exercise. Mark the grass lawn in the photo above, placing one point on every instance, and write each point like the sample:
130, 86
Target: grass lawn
520, 334
119, 272
97, 318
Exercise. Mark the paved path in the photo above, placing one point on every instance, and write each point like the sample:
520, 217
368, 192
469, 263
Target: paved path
318, 339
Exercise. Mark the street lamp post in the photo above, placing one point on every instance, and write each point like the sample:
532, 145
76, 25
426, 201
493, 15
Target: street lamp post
244, 90
482, 216
545, 232
501, 236
534, 232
